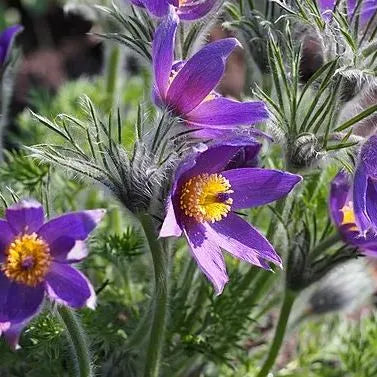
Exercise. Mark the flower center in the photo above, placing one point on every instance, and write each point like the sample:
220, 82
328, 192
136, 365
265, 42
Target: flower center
28, 260
205, 197
349, 216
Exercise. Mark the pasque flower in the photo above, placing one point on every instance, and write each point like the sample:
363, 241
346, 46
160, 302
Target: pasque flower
6, 40
187, 10
35, 260
366, 10
342, 210
365, 187
187, 87
205, 195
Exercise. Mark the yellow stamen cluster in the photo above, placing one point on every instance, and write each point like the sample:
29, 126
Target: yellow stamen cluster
205, 197
349, 215
28, 260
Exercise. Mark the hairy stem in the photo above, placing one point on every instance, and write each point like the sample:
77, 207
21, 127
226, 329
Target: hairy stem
160, 257
79, 346
277, 341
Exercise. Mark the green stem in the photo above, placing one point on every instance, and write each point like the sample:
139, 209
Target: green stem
159, 313
80, 349
326, 243
112, 68
277, 341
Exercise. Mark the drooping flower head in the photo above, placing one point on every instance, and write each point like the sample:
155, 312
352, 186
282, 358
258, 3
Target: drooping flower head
187, 87
35, 260
203, 201
366, 10
187, 10
6, 40
342, 210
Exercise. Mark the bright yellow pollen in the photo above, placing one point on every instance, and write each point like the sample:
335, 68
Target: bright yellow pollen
206, 197
349, 215
28, 260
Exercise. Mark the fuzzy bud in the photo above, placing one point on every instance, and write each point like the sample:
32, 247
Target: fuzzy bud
305, 152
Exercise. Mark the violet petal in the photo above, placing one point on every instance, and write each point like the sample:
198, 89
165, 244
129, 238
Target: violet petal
207, 255
224, 113
158, 8
17, 301
339, 193
359, 198
6, 237
254, 187
26, 216
61, 233
371, 202
170, 226
243, 241
68, 286
196, 9
199, 76
6, 39
13, 333
163, 54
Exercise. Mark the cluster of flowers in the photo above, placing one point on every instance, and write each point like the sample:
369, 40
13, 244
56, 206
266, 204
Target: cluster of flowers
353, 199
211, 184
208, 187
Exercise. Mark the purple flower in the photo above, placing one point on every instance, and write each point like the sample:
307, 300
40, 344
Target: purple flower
366, 10
342, 210
202, 205
365, 187
6, 40
187, 10
36, 258
187, 87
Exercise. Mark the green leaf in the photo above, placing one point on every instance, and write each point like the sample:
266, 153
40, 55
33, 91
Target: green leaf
364, 114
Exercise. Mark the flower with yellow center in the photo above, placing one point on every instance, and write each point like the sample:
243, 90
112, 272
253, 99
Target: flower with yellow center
203, 203
206, 197
28, 260
349, 216
36, 263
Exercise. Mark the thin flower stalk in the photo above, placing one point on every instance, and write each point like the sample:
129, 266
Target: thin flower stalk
79, 345
160, 258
